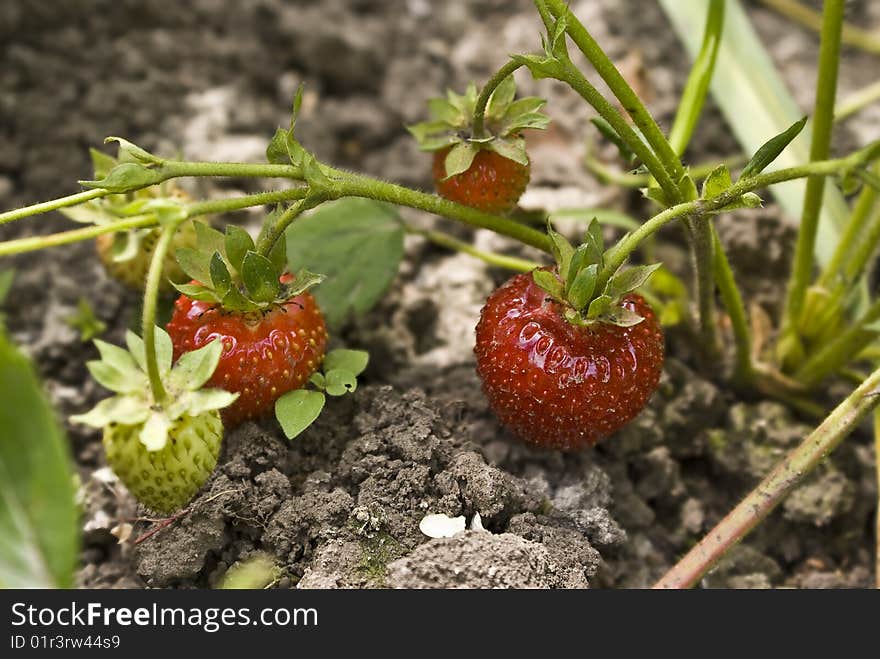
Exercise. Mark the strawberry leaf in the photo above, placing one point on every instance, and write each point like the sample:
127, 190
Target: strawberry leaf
259, 277
238, 242
39, 520
353, 361
338, 382
296, 410
717, 182
771, 149
357, 244
276, 152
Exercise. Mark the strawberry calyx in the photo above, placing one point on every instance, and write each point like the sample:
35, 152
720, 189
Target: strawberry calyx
451, 126
124, 372
575, 281
227, 270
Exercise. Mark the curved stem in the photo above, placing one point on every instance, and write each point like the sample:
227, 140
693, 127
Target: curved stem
857, 101
34, 243
151, 293
702, 238
619, 87
54, 204
749, 512
743, 372
483, 99
497, 260
823, 117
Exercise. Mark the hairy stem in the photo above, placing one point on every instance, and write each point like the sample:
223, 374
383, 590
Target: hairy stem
823, 117
776, 485
483, 99
151, 294
743, 372
54, 204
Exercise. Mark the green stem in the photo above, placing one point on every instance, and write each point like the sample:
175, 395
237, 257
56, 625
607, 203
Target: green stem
569, 74
151, 294
606, 174
840, 351
276, 230
619, 87
497, 260
823, 117
356, 185
483, 99
851, 238
743, 373
702, 238
180, 168
851, 36
34, 243
697, 87
54, 204
772, 490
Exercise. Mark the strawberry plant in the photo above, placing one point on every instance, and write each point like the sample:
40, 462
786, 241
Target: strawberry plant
569, 350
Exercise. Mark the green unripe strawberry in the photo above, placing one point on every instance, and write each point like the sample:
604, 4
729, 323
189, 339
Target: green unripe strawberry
166, 479
162, 450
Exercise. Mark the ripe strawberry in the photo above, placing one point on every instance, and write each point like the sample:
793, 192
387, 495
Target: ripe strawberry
492, 183
563, 365
272, 331
486, 168
265, 353
162, 450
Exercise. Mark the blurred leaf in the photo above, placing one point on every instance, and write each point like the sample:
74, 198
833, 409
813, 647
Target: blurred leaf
256, 572
357, 244
39, 525
83, 320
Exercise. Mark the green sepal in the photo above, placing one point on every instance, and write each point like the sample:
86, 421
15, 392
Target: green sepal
513, 148
196, 263
460, 158
581, 289
130, 152
562, 251
127, 176
197, 292
626, 281
276, 152
501, 98
621, 316
221, 280
549, 282
102, 162
195, 368
237, 242
599, 307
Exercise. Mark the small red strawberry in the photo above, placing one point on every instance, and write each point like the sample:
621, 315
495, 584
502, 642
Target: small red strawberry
272, 331
562, 364
492, 183
487, 167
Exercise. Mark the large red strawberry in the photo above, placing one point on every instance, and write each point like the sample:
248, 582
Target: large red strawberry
273, 332
563, 364
485, 167
265, 353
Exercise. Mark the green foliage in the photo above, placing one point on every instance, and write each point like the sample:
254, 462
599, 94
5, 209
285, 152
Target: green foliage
39, 531
357, 244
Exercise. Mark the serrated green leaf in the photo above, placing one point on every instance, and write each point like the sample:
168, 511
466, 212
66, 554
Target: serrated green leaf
358, 244
209, 239
562, 252
771, 149
353, 361
339, 382
196, 263
296, 410
501, 98
125, 177
238, 243
276, 152
197, 292
549, 282
717, 182
512, 148
221, 280
626, 281
599, 307
582, 287
460, 158
260, 277
39, 521
195, 368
